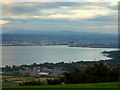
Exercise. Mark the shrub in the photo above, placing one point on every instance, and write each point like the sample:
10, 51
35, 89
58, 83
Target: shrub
54, 81
32, 82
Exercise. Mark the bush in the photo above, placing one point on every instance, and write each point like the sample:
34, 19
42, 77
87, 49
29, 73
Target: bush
32, 82
54, 81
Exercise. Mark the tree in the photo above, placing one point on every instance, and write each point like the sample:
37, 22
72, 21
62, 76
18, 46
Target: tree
92, 74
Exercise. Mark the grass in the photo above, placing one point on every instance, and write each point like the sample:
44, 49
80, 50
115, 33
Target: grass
9, 84
91, 85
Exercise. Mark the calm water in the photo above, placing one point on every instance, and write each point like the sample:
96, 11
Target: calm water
18, 55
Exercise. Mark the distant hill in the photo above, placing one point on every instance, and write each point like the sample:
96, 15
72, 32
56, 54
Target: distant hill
55, 35
41, 32
64, 32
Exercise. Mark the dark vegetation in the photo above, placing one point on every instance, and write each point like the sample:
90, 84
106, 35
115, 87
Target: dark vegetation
55, 81
92, 74
31, 83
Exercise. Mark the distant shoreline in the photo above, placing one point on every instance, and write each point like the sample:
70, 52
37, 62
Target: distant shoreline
94, 47
60, 45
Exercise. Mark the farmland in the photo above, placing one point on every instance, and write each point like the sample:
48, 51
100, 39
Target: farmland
12, 81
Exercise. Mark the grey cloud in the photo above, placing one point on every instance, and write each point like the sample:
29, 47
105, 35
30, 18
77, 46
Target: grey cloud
35, 8
30, 9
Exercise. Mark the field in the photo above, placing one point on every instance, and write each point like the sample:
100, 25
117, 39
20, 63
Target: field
9, 84
111, 85
18, 79
12, 81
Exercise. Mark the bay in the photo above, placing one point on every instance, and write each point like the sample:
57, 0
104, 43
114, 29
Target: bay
18, 55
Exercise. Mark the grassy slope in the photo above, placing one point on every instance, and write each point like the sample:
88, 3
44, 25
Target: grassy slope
92, 85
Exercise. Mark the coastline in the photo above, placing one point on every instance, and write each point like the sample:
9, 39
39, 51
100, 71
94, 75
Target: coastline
60, 45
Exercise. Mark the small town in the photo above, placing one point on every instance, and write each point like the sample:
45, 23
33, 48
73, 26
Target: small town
37, 72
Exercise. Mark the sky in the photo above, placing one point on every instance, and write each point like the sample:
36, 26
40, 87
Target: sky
98, 17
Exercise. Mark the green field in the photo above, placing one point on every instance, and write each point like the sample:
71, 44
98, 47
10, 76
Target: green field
91, 85
9, 84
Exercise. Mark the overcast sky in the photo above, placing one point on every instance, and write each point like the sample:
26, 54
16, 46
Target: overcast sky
69, 16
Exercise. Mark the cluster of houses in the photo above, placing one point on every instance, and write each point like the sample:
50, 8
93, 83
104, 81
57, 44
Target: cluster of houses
42, 71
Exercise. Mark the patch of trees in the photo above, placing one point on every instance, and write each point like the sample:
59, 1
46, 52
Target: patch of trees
31, 83
54, 81
92, 74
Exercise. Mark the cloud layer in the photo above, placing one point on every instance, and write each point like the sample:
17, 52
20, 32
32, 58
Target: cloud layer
83, 16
